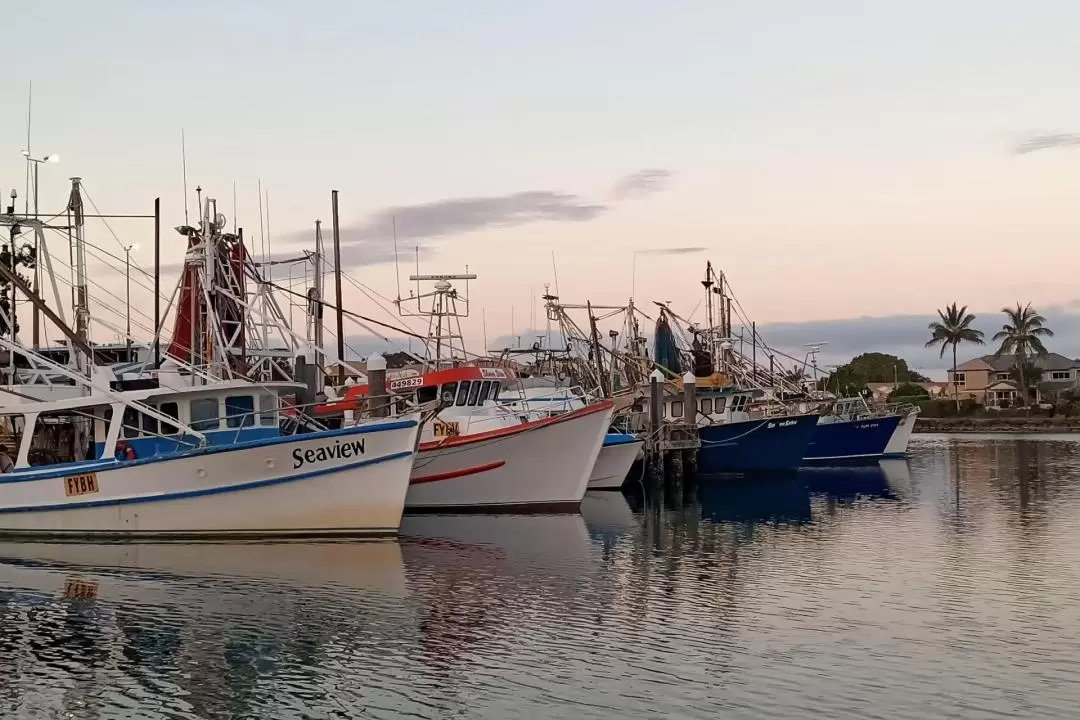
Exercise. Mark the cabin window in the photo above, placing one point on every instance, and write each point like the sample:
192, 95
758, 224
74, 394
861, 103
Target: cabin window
427, 394
449, 390
205, 414
677, 409
149, 425
738, 403
131, 422
240, 410
172, 410
706, 406
474, 393
663, 410
463, 392
485, 389
268, 410
721, 403
496, 386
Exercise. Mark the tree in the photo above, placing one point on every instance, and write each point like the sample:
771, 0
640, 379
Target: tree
908, 391
24, 257
852, 378
795, 376
1022, 336
953, 328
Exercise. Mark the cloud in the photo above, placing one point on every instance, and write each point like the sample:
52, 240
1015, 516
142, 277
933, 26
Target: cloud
1045, 142
642, 182
672, 251
906, 336
371, 242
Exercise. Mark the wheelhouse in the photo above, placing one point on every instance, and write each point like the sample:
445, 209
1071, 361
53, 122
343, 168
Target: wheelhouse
151, 421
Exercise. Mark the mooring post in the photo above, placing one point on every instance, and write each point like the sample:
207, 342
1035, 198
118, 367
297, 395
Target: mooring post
690, 415
376, 377
656, 421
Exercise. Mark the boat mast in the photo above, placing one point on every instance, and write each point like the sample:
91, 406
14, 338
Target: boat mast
707, 283
316, 307
337, 288
595, 335
82, 309
446, 339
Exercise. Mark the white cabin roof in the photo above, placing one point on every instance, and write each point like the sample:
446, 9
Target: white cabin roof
99, 399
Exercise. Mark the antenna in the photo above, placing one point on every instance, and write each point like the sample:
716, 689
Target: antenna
26, 201
269, 250
234, 220
262, 236
397, 270
183, 156
555, 271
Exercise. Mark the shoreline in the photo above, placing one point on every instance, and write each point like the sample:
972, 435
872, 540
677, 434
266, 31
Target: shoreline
1034, 424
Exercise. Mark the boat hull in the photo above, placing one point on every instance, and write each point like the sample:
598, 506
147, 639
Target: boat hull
614, 461
541, 466
766, 444
898, 443
340, 482
851, 440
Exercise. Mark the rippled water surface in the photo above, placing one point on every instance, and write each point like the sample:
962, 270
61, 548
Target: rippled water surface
946, 586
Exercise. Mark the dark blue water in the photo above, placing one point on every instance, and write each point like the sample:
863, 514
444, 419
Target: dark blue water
946, 586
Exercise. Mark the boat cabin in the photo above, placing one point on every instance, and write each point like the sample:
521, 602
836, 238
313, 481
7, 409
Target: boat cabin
715, 406
468, 398
150, 421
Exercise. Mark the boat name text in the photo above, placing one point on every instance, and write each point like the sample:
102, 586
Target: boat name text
338, 450
783, 423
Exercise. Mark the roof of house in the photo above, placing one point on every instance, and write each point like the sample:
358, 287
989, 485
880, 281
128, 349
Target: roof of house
1004, 363
1003, 385
1053, 386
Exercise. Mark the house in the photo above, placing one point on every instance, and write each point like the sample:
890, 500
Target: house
989, 381
881, 391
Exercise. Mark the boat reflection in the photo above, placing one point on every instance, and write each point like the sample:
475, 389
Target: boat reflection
767, 497
214, 626
848, 483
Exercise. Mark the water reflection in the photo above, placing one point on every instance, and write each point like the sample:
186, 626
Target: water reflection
950, 581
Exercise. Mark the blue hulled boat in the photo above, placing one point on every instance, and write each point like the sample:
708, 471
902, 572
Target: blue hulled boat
777, 443
836, 440
852, 433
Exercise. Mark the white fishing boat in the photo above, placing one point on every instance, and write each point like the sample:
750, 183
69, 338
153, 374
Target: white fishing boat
550, 397
476, 455
204, 461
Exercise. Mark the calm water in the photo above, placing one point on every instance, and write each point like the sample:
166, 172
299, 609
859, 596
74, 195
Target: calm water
946, 586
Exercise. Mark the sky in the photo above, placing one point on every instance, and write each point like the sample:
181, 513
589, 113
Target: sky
837, 160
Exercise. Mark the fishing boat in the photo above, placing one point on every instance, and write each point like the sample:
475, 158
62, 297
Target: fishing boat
738, 434
478, 455
204, 461
852, 431
739, 427
549, 396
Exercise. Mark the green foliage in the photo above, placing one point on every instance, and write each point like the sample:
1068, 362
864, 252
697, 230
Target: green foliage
953, 328
909, 391
862, 370
1022, 336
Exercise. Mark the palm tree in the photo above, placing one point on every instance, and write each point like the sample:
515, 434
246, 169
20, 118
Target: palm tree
953, 328
1021, 336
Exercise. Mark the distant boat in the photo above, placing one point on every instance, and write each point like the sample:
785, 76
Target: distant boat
853, 432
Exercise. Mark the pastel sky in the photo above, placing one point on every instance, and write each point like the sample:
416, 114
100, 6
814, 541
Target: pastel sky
838, 159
